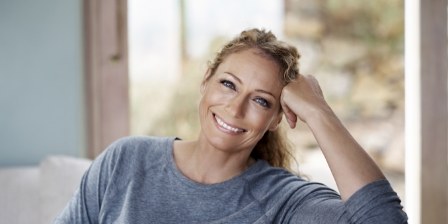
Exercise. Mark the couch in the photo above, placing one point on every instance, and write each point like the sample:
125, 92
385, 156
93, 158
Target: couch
37, 194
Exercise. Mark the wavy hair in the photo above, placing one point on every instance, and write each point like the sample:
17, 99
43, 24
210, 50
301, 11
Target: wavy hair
273, 147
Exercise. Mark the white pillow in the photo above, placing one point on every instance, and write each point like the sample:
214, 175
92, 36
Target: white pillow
60, 176
19, 200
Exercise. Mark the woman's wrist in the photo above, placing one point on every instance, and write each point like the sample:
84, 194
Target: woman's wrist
321, 117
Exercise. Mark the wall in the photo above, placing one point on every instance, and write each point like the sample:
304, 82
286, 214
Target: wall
41, 80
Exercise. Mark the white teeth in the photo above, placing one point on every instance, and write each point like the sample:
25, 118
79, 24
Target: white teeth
227, 127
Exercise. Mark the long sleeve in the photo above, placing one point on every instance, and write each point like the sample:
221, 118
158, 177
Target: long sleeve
374, 203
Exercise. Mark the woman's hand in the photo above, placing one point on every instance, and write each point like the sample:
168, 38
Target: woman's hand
303, 99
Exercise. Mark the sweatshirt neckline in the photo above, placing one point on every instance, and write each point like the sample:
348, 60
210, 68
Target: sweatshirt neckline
240, 178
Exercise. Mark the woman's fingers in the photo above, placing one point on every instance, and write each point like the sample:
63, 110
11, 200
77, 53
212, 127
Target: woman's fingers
301, 99
291, 117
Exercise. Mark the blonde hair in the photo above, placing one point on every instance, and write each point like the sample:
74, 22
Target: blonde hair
273, 146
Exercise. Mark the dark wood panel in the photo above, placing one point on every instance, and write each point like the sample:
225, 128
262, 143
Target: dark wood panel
434, 169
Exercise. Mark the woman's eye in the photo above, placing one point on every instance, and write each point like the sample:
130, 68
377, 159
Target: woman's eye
264, 103
228, 84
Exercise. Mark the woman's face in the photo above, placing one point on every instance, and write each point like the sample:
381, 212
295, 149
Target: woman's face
241, 101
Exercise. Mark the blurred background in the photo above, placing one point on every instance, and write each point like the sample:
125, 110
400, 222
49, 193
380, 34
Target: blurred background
76, 75
354, 48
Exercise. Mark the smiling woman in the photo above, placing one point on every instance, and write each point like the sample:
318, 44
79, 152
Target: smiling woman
243, 92
236, 171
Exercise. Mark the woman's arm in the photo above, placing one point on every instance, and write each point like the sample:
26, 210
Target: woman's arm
351, 166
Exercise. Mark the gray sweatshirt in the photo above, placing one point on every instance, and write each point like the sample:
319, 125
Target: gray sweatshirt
136, 181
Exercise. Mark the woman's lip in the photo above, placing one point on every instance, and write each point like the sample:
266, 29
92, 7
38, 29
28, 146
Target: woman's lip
226, 126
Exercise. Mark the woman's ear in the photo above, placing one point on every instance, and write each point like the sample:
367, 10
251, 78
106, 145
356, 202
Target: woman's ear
204, 81
274, 125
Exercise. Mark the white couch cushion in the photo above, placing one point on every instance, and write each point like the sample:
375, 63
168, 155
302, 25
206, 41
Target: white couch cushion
19, 200
60, 176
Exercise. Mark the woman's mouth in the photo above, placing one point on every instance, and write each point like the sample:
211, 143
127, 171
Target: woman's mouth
227, 127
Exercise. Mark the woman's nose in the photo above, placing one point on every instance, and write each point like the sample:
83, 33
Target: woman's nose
236, 106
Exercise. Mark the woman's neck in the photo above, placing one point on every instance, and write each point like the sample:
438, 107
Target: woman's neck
203, 163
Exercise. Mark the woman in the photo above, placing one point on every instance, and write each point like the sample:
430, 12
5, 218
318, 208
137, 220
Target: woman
236, 171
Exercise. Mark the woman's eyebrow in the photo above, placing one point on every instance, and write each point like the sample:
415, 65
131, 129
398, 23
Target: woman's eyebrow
266, 92
257, 90
234, 76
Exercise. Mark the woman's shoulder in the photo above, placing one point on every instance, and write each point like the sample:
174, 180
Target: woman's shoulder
137, 150
138, 141
279, 182
264, 172
135, 144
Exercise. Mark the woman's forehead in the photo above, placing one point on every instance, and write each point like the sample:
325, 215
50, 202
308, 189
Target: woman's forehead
252, 61
253, 68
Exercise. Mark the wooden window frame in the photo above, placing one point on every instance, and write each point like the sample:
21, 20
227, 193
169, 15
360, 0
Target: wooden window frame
106, 73
433, 48
426, 111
